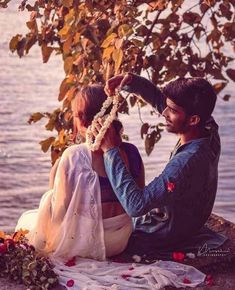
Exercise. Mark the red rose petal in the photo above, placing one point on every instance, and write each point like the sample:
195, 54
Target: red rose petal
71, 262
125, 276
3, 248
70, 283
178, 256
186, 281
131, 268
170, 186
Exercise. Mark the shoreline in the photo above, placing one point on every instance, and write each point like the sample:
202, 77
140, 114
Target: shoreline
221, 268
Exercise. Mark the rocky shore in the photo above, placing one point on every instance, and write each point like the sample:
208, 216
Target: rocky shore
220, 267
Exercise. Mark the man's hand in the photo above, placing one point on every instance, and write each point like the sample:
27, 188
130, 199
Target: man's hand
119, 81
111, 138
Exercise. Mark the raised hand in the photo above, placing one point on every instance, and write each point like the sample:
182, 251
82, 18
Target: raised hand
117, 82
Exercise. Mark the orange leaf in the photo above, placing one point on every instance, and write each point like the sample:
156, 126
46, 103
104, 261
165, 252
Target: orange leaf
231, 73
46, 52
117, 57
108, 40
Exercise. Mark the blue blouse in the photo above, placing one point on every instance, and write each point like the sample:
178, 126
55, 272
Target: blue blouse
135, 163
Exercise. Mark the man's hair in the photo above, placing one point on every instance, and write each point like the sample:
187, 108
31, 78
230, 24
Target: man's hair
195, 95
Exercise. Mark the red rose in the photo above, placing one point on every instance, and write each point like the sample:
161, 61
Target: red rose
3, 248
70, 283
178, 256
170, 186
71, 262
125, 276
209, 280
186, 281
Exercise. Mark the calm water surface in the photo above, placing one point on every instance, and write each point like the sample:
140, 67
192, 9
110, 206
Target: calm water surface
27, 85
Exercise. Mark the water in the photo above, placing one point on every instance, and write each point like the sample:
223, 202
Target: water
27, 85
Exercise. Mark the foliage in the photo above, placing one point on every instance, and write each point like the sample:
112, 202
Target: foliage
20, 263
99, 38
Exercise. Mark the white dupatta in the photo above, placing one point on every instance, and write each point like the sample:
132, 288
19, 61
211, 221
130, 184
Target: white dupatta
69, 220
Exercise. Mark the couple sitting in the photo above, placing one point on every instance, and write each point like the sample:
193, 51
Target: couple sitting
94, 194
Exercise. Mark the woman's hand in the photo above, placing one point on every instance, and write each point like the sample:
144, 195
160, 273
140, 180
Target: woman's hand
119, 81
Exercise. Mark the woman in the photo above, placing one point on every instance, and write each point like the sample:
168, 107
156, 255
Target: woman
80, 215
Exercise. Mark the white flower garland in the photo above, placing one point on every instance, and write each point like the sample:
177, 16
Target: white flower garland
95, 142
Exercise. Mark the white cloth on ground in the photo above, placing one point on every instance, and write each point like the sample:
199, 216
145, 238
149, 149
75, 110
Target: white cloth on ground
69, 223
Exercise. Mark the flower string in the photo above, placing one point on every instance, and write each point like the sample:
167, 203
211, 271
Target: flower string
95, 142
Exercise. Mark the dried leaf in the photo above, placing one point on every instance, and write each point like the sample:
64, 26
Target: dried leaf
35, 117
14, 42
68, 65
108, 40
231, 73
219, 87
45, 144
144, 130
107, 52
226, 97
46, 52
117, 57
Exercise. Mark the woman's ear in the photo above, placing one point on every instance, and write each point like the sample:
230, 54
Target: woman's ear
194, 120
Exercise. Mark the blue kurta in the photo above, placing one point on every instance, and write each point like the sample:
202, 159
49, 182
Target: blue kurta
183, 193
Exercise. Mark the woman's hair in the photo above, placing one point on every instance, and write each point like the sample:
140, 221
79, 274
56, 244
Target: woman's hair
195, 95
94, 97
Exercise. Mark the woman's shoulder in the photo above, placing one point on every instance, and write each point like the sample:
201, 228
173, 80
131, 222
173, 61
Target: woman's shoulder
76, 151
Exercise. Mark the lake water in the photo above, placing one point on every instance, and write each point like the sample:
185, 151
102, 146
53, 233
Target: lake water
27, 85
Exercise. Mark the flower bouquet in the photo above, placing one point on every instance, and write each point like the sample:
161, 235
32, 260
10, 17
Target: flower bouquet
20, 262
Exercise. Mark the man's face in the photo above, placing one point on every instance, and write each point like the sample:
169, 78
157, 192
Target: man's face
176, 119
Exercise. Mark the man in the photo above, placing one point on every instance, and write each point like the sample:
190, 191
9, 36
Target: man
177, 203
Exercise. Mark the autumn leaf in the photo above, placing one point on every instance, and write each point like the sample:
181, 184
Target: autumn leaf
35, 117
107, 52
144, 130
219, 87
108, 40
117, 57
46, 53
231, 73
68, 64
45, 144
14, 42
67, 3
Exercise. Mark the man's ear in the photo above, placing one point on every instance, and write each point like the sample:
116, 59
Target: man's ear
194, 120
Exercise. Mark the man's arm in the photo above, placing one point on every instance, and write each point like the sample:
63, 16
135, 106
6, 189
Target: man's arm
148, 91
136, 201
138, 85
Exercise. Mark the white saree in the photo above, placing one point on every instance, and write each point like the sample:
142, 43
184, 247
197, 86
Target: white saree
68, 223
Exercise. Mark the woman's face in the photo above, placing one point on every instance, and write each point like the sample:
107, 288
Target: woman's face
78, 108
